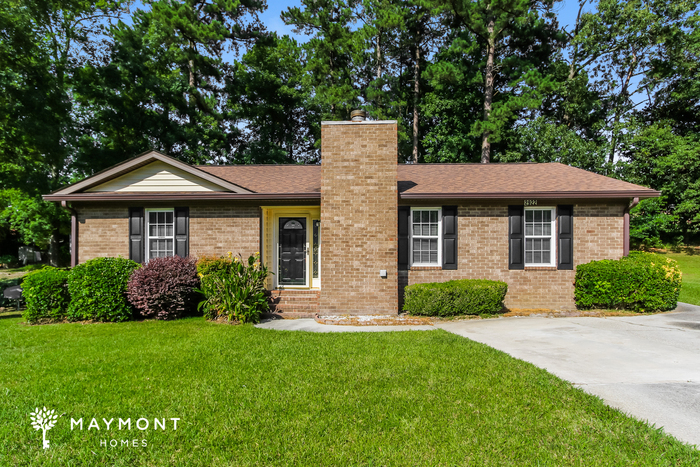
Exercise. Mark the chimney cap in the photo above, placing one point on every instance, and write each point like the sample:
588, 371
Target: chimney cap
358, 115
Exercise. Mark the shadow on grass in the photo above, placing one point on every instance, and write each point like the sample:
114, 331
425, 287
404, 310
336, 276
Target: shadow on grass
10, 314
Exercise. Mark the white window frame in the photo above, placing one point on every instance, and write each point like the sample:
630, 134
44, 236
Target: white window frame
439, 237
148, 229
552, 237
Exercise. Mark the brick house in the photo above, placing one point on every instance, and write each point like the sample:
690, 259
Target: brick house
346, 236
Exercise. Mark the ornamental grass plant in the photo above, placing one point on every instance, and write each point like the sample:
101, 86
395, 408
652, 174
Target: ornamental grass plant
233, 288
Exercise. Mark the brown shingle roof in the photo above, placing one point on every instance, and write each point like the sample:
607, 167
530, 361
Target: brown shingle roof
447, 180
270, 178
505, 179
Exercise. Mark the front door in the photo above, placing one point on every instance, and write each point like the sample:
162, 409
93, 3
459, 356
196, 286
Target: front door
292, 251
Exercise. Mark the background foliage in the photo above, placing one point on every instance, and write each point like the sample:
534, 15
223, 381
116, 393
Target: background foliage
85, 85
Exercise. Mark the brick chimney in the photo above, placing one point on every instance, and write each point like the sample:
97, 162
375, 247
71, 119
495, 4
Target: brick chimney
359, 217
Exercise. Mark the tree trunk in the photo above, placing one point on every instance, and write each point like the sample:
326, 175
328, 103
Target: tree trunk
52, 253
379, 56
613, 139
190, 66
624, 98
416, 95
488, 90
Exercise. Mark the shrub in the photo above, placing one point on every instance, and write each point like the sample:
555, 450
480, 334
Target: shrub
46, 294
8, 261
639, 282
452, 298
164, 287
233, 288
98, 290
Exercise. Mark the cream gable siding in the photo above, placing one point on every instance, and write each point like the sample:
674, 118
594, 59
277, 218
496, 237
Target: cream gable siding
157, 176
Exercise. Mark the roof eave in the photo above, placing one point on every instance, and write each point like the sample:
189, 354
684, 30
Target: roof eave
540, 194
209, 196
197, 196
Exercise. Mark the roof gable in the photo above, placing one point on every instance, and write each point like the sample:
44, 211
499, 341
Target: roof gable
157, 177
182, 174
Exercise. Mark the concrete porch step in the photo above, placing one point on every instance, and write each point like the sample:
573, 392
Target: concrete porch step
294, 303
289, 315
294, 293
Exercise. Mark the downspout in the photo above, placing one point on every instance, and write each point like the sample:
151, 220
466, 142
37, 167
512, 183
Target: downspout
73, 233
626, 227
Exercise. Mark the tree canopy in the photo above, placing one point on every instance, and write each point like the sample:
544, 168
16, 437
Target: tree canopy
85, 85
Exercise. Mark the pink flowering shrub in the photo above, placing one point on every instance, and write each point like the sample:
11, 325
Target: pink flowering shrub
164, 287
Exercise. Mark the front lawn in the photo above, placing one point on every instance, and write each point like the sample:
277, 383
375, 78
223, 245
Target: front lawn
690, 267
247, 396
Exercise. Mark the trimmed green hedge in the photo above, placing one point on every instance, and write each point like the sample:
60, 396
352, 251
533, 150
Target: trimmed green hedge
46, 294
98, 290
452, 298
639, 282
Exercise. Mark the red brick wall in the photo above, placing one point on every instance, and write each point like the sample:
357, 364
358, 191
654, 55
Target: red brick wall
218, 229
359, 219
215, 229
103, 230
483, 254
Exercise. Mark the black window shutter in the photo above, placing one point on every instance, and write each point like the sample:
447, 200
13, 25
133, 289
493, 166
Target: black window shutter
182, 232
565, 220
136, 237
449, 237
516, 238
404, 220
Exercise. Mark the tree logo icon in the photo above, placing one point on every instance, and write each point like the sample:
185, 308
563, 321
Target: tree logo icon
44, 420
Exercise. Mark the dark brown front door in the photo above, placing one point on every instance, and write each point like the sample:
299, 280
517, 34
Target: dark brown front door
292, 251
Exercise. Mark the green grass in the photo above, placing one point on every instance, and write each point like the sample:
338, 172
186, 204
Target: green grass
247, 396
690, 267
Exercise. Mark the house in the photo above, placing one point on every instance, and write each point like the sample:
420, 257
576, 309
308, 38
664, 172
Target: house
346, 236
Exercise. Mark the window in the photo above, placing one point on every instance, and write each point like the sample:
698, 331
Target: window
539, 240
425, 237
161, 233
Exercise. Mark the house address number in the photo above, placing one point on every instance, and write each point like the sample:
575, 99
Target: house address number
530, 202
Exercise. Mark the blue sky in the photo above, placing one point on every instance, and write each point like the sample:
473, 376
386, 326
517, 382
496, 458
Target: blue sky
566, 11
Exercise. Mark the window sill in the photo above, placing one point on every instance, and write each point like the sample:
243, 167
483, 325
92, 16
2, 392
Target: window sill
425, 268
541, 268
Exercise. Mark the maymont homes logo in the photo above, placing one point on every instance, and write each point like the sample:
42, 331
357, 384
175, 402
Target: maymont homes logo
45, 419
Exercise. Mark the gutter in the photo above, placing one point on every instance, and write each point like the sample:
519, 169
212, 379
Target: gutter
626, 228
73, 233
178, 196
535, 194
317, 195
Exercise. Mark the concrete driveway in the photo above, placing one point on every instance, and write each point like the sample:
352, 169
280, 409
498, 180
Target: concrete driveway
646, 366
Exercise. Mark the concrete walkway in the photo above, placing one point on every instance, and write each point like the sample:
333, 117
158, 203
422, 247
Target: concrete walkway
646, 366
